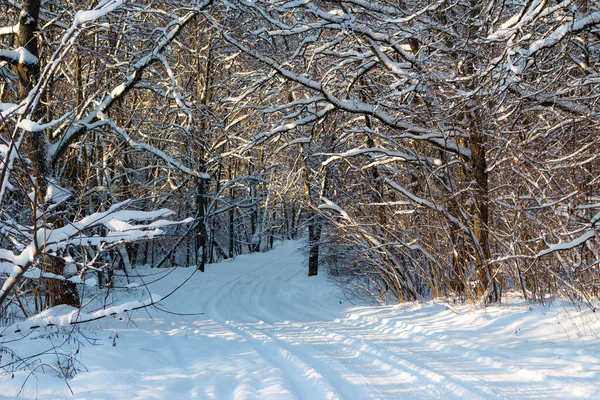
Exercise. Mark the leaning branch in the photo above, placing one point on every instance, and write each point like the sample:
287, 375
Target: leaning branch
18, 56
353, 106
9, 30
77, 317
80, 127
568, 245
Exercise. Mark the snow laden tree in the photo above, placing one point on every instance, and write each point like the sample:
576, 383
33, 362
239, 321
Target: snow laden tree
74, 84
422, 102
367, 64
550, 115
428, 149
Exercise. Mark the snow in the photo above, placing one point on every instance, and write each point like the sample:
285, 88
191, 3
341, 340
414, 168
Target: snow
55, 193
20, 55
32, 126
330, 205
258, 328
56, 316
82, 17
7, 106
54, 239
28, 125
7, 30
370, 151
563, 30
568, 245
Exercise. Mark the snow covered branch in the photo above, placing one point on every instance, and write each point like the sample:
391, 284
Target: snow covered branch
58, 318
82, 125
568, 245
438, 138
18, 56
52, 241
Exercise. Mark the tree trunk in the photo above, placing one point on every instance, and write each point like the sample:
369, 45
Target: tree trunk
231, 216
201, 238
213, 245
59, 292
314, 237
481, 199
314, 229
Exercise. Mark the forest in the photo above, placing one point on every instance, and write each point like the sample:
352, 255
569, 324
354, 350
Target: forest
426, 149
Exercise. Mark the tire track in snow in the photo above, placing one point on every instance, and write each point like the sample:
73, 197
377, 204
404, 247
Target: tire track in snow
432, 339
251, 295
337, 374
336, 352
293, 368
330, 362
367, 348
467, 364
243, 385
441, 385
380, 359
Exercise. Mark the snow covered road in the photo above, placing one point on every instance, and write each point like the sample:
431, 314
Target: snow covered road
270, 332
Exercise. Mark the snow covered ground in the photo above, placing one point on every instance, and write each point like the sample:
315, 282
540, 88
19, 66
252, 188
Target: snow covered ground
269, 332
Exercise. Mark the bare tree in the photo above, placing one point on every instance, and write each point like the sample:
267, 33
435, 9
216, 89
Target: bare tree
47, 120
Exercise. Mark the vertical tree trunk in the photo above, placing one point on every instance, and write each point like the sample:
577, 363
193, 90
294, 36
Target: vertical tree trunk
481, 215
314, 228
201, 237
27, 39
286, 219
481, 196
212, 245
28, 72
231, 216
253, 239
314, 237
59, 292
378, 193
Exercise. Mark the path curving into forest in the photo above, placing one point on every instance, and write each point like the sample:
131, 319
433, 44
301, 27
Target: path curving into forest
267, 331
307, 331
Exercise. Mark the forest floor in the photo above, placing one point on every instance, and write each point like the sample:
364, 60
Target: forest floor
267, 331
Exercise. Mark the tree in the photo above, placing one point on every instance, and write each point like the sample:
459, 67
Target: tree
432, 149
428, 87
47, 119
